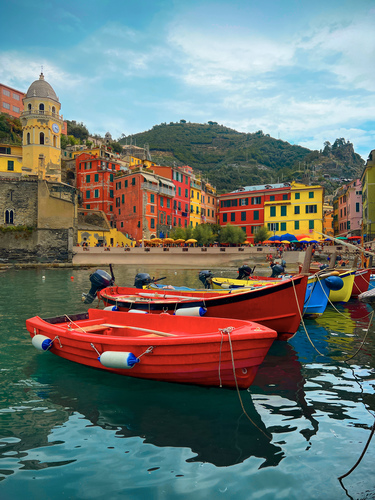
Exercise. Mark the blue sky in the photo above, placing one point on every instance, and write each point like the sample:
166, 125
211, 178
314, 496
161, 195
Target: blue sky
300, 71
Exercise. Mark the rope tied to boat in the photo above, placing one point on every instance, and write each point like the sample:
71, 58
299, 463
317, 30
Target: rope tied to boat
301, 317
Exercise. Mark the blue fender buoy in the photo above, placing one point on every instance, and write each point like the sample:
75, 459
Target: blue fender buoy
41, 342
116, 359
334, 282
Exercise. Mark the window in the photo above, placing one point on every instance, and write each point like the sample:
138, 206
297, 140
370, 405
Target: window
28, 138
234, 203
311, 209
41, 108
285, 196
283, 226
134, 209
357, 207
168, 203
297, 196
256, 200
16, 97
273, 226
243, 216
88, 206
122, 198
186, 193
311, 194
296, 209
133, 181
283, 211
6, 92
111, 193
225, 217
311, 224
87, 178
243, 201
96, 177
10, 165
256, 214
16, 109
272, 197
41, 138
110, 208
96, 193
296, 224
272, 211
161, 201
9, 216
152, 209
152, 198
87, 195
110, 177
126, 183
232, 217
179, 191
6, 105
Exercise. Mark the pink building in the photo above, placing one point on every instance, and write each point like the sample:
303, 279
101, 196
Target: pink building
349, 212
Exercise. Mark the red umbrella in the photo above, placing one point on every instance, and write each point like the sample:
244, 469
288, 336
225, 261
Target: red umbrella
302, 237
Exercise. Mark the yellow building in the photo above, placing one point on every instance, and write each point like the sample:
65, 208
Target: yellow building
368, 198
298, 213
195, 201
95, 230
42, 124
11, 159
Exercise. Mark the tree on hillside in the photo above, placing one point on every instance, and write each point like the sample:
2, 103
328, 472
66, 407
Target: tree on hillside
77, 130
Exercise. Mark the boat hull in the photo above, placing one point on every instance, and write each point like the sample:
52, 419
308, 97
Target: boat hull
361, 282
197, 351
277, 306
316, 296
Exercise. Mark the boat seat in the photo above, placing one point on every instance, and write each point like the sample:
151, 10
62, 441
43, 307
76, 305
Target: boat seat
92, 328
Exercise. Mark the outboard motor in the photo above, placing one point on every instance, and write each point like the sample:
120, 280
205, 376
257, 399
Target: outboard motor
245, 271
277, 269
142, 279
205, 278
99, 280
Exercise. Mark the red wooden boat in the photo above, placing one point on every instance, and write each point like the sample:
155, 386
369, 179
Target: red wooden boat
361, 282
203, 351
361, 279
278, 305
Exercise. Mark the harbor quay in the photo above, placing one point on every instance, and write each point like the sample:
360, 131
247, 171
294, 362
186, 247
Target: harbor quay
195, 257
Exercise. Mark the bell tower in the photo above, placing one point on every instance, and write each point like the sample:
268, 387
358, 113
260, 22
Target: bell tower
42, 124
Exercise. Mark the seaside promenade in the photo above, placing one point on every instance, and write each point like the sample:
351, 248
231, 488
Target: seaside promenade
195, 257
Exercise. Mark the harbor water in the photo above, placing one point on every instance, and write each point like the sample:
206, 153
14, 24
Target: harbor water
72, 432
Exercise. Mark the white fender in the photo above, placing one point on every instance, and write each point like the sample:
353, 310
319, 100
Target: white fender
115, 359
41, 342
190, 311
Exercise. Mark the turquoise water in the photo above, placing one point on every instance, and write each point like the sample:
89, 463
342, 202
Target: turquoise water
71, 432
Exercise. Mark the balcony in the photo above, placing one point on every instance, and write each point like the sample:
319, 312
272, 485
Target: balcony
167, 192
39, 112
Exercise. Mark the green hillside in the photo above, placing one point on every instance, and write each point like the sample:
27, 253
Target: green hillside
230, 159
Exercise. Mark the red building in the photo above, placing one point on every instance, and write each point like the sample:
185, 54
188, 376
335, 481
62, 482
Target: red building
143, 204
95, 181
245, 206
11, 100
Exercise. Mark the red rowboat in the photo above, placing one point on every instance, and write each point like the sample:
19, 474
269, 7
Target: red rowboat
203, 351
278, 305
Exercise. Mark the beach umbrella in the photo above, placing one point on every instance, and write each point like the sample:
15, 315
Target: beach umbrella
180, 240
354, 238
168, 240
288, 237
192, 240
286, 242
341, 238
301, 237
275, 238
267, 242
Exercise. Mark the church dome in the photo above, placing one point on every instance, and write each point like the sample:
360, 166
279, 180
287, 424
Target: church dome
41, 88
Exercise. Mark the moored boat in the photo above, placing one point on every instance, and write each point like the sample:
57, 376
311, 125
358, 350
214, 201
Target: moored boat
361, 282
202, 351
316, 296
277, 305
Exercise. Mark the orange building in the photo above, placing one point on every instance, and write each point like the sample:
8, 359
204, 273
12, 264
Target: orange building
11, 101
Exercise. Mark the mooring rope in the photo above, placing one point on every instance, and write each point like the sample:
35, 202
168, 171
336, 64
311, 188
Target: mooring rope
301, 317
239, 394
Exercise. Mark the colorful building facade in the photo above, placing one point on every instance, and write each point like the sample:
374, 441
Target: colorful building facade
11, 101
368, 198
10, 159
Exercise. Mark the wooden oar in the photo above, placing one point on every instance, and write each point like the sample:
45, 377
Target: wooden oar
157, 332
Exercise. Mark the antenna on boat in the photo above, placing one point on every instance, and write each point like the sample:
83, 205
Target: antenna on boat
113, 276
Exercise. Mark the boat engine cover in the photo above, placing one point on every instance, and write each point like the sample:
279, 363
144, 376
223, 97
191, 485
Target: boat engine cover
99, 280
142, 279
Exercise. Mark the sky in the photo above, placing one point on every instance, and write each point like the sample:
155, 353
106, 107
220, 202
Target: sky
301, 71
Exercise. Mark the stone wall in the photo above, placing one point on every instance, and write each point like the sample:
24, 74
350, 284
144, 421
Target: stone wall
43, 225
